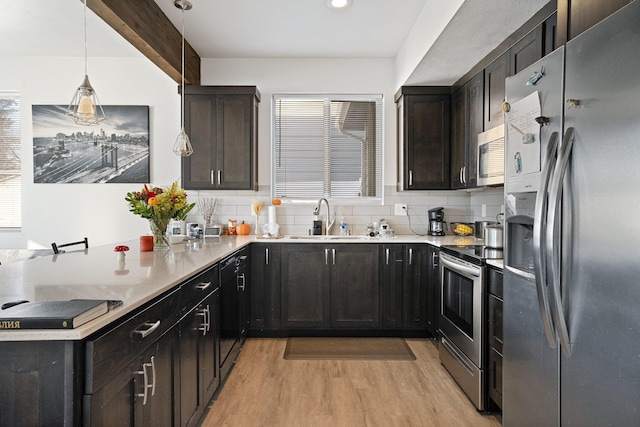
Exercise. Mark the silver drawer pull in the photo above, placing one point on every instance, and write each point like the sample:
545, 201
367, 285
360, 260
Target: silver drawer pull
149, 328
203, 285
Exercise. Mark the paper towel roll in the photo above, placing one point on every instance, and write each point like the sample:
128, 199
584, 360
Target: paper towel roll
272, 215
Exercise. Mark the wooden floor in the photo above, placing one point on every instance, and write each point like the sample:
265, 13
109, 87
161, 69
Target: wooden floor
265, 390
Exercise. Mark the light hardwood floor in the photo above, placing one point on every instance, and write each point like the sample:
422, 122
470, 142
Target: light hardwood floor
263, 389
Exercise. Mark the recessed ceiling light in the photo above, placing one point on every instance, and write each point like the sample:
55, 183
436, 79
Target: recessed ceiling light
338, 4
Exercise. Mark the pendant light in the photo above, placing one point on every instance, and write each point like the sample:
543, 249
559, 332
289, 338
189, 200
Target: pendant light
182, 147
84, 108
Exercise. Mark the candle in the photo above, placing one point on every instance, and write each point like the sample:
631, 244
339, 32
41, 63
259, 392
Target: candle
146, 243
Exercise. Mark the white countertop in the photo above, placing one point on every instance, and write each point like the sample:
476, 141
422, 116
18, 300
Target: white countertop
95, 273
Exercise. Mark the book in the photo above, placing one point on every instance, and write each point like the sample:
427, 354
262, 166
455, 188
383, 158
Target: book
52, 314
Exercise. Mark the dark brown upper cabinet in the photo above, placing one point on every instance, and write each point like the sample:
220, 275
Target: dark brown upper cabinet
494, 75
424, 134
222, 123
467, 106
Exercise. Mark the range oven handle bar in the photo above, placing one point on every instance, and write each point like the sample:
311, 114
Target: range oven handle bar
539, 242
460, 267
553, 237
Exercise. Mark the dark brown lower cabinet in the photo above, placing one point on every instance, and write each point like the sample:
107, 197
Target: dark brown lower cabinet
199, 374
141, 393
329, 286
405, 286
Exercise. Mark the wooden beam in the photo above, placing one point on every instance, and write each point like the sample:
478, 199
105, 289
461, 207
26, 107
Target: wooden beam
143, 24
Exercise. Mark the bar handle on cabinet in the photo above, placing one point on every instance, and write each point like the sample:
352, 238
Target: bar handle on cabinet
203, 285
553, 235
219, 176
266, 256
212, 178
326, 256
410, 256
153, 375
243, 279
149, 328
539, 242
410, 178
386, 252
333, 253
145, 381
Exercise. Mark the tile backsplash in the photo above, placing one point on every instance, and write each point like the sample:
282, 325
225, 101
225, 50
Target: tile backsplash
459, 205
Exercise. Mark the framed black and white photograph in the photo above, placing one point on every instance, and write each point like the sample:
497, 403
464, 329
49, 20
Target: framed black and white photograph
114, 151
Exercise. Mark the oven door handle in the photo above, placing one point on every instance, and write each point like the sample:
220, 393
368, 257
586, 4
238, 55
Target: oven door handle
476, 272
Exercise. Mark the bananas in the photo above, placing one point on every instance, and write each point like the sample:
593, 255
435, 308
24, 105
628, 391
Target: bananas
463, 230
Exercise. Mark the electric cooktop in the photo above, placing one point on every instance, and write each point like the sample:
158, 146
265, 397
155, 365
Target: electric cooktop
476, 254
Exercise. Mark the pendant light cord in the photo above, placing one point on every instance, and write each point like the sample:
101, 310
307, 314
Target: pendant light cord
85, 38
182, 75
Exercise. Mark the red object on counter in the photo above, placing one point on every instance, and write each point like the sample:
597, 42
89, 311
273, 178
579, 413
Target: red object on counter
146, 243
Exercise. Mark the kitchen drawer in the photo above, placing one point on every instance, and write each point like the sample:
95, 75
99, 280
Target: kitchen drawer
196, 289
112, 350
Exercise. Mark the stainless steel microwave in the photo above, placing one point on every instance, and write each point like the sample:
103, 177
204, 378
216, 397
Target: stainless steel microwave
491, 156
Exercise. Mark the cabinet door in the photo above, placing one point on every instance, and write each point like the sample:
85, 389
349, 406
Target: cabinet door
304, 290
459, 137
163, 377
467, 123
199, 169
234, 139
416, 283
494, 89
527, 50
426, 130
141, 393
475, 124
265, 286
550, 32
198, 365
391, 288
433, 288
355, 286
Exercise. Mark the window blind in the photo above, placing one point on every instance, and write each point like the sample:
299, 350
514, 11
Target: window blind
10, 163
327, 146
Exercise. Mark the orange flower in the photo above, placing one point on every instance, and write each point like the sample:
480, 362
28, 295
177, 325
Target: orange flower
152, 201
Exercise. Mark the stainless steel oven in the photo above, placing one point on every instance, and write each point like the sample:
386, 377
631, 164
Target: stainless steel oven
461, 323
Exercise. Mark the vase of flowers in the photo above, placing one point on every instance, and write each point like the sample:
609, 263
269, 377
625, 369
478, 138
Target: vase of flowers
159, 206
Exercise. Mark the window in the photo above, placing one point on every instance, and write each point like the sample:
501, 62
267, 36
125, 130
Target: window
327, 146
10, 172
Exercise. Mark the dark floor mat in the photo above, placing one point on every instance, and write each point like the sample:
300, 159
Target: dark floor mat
299, 348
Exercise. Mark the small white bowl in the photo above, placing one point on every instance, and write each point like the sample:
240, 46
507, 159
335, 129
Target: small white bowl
176, 238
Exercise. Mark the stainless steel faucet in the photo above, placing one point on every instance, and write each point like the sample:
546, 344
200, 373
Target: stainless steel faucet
330, 220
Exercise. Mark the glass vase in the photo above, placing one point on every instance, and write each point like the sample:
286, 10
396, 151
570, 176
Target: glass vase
159, 231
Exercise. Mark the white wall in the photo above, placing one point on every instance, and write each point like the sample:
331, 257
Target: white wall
68, 212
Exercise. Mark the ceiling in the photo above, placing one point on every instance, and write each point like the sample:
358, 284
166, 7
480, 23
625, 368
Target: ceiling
281, 29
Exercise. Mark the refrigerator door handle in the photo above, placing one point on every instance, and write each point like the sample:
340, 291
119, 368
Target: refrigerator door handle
539, 243
553, 236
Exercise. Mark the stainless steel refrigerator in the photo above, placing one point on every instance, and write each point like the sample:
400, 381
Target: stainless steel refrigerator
572, 260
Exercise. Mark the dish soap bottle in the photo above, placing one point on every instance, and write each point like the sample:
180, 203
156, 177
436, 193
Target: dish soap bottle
343, 227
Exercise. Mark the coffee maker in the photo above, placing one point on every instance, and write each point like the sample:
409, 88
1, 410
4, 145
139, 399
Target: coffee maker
436, 222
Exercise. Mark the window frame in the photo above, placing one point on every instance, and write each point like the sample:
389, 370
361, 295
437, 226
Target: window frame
379, 99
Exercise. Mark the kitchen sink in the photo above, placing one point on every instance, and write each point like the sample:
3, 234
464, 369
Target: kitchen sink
330, 238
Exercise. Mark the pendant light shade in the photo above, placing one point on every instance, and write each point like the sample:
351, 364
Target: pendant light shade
84, 108
182, 147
